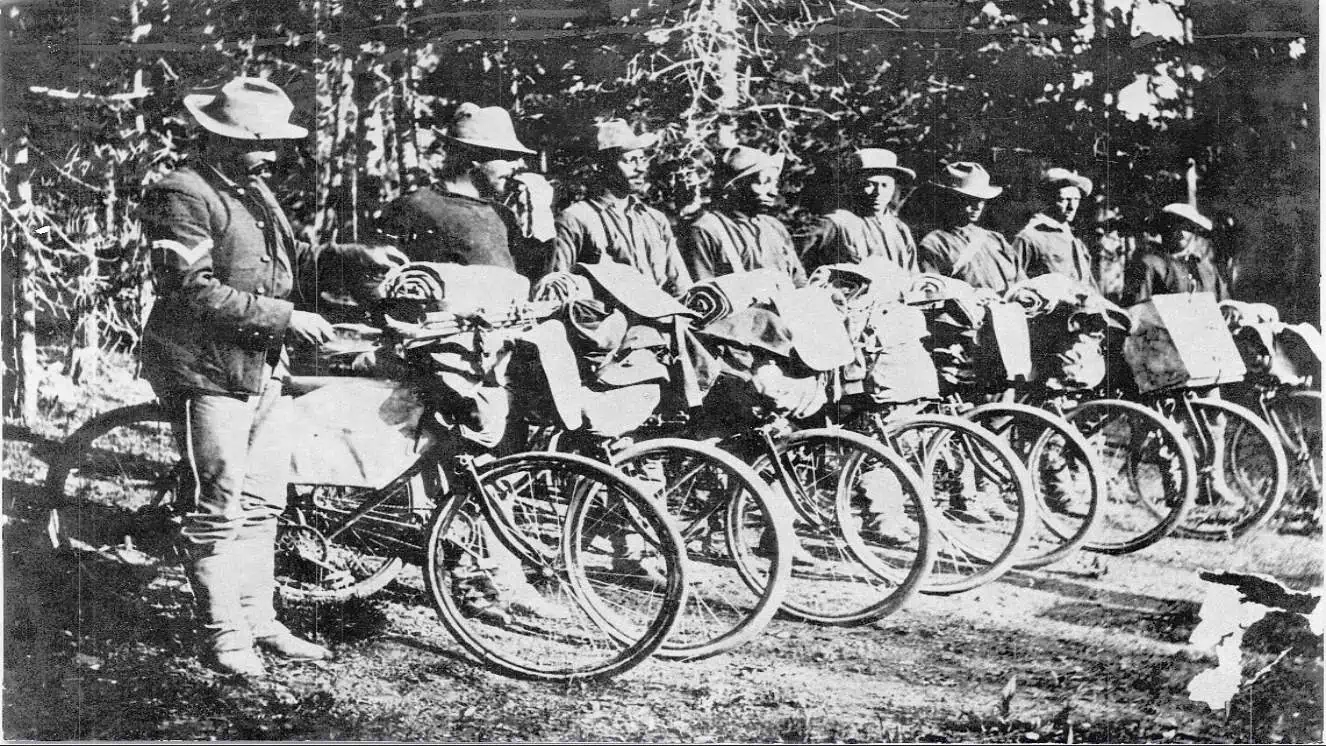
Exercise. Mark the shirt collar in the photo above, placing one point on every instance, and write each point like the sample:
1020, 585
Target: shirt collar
631, 202
1049, 222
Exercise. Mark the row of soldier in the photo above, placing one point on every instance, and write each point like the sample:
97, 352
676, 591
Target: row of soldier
227, 265
485, 208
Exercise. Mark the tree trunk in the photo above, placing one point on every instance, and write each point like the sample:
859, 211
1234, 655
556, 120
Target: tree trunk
726, 65
20, 337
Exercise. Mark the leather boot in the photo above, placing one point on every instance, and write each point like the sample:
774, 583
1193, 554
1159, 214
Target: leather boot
214, 576
258, 591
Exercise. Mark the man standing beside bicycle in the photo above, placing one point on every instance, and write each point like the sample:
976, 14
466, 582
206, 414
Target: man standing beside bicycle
226, 261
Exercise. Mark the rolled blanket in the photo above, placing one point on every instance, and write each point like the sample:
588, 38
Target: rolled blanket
1239, 313
708, 301
562, 286
960, 299
874, 276
720, 297
436, 286
1044, 293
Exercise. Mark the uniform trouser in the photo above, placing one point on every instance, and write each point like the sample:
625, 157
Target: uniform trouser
238, 452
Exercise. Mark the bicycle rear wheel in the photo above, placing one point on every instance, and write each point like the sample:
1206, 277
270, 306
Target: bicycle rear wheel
1066, 481
1149, 469
1296, 418
864, 527
1244, 480
734, 530
982, 495
561, 524
114, 476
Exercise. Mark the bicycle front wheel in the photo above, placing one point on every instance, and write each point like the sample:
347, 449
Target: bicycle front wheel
734, 529
1243, 476
864, 527
1149, 469
1296, 418
982, 495
575, 534
1066, 481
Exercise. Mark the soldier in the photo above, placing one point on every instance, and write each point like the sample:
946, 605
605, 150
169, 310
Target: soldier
738, 233
225, 259
1179, 264
867, 224
616, 224
959, 247
461, 218
1047, 243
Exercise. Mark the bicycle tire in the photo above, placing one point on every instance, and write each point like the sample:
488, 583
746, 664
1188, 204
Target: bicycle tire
848, 578
120, 463
726, 516
548, 510
972, 552
1136, 514
1044, 439
1296, 419
1250, 444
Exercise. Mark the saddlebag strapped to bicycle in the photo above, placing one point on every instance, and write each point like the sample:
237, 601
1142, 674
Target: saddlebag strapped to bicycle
357, 432
1180, 341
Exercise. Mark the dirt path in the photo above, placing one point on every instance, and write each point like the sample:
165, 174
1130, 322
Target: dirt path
1094, 651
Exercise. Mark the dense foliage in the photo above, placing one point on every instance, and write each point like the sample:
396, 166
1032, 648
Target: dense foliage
1128, 91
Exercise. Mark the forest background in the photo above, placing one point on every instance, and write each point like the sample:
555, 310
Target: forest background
1155, 100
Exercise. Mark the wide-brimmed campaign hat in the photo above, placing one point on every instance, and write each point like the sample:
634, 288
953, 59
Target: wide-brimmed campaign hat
1055, 178
487, 127
1187, 212
245, 109
969, 179
741, 162
867, 160
616, 134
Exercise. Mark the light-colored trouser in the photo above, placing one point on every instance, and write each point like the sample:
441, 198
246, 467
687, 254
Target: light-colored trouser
237, 449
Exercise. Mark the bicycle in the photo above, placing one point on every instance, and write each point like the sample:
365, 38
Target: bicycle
979, 488
736, 531
551, 514
864, 525
1295, 416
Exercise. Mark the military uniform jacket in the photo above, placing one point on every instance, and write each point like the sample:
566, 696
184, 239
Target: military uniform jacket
224, 258
720, 243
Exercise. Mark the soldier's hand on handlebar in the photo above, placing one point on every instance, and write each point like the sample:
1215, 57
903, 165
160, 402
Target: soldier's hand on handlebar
310, 328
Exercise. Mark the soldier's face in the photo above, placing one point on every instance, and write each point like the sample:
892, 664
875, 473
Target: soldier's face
877, 192
972, 209
1064, 203
493, 177
251, 156
761, 190
628, 173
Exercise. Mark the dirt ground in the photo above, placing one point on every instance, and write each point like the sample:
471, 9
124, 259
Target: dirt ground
1094, 650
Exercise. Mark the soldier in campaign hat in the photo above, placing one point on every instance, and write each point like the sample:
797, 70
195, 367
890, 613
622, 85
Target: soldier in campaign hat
865, 223
226, 262
1180, 263
959, 247
615, 224
1047, 243
464, 216
738, 232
